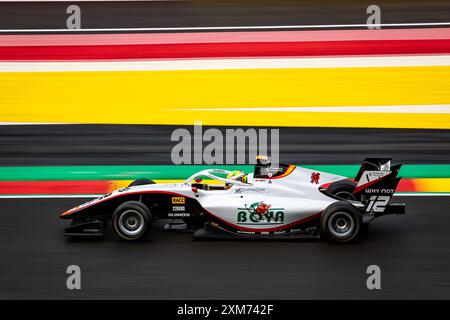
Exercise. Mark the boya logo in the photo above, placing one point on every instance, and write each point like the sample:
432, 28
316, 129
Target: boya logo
260, 213
178, 200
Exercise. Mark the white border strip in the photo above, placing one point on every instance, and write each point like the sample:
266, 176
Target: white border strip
228, 64
31, 123
321, 26
67, 196
412, 194
407, 109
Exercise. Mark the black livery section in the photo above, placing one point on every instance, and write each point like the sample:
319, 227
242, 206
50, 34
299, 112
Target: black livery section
377, 195
92, 218
372, 164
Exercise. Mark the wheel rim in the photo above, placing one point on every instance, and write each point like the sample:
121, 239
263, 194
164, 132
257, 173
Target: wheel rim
131, 222
346, 195
341, 224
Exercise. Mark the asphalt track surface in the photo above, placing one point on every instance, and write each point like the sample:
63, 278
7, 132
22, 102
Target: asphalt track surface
143, 144
411, 250
218, 13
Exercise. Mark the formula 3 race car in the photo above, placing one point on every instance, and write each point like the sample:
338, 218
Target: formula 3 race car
274, 201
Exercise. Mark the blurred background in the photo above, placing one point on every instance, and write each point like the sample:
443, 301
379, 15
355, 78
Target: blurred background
83, 112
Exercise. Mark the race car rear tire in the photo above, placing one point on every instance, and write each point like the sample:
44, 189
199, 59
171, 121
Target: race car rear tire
343, 189
341, 222
132, 221
141, 182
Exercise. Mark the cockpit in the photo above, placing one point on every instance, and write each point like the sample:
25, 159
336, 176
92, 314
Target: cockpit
220, 179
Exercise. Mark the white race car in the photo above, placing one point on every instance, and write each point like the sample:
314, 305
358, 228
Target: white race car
274, 201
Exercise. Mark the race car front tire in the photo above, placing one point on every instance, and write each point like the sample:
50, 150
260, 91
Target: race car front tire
341, 222
132, 221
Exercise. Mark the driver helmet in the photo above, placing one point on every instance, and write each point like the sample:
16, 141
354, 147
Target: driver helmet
238, 176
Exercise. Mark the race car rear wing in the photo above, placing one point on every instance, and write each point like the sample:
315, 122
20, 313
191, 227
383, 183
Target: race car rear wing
376, 187
374, 164
377, 179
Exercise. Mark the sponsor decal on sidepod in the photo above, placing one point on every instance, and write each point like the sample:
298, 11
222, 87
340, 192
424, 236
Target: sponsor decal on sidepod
260, 213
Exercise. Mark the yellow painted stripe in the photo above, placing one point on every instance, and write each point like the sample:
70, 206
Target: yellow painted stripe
149, 97
434, 185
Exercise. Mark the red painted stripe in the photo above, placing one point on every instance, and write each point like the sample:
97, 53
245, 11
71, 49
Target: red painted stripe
222, 37
210, 50
54, 187
407, 185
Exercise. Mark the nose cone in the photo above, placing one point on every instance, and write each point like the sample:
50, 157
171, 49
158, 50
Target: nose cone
66, 214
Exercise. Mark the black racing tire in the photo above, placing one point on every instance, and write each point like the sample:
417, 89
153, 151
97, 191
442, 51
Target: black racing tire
132, 221
343, 189
141, 182
341, 222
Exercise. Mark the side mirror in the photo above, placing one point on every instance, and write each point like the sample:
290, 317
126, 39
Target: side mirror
194, 190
